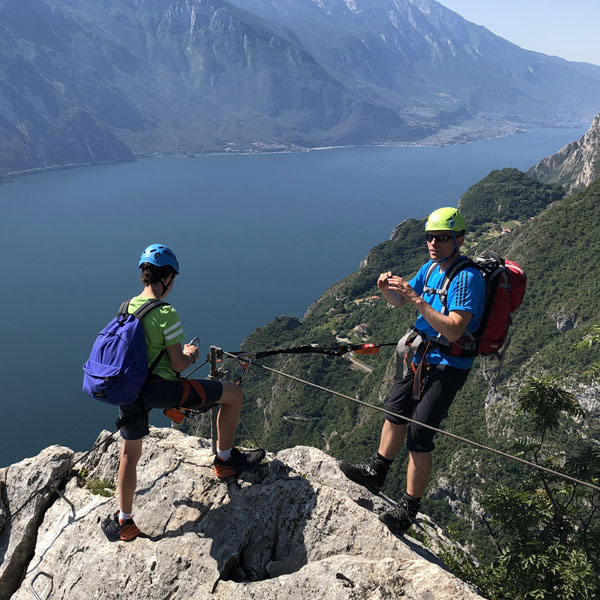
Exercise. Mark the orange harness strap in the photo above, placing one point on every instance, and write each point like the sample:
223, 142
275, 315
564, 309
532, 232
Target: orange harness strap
198, 388
418, 372
175, 413
185, 392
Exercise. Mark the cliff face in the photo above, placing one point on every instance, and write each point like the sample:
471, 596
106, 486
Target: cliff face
576, 165
294, 529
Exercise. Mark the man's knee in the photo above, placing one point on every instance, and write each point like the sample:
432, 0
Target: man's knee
398, 430
419, 458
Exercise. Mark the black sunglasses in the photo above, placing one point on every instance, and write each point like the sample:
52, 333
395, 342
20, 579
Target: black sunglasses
442, 238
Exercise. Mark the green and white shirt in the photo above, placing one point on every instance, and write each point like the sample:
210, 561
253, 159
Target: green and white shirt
162, 328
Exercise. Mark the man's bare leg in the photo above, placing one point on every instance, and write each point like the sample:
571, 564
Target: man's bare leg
392, 439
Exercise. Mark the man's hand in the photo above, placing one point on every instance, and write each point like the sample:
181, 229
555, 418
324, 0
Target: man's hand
394, 289
382, 282
402, 287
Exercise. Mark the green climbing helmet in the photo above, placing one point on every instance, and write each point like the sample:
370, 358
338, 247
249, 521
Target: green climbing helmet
446, 219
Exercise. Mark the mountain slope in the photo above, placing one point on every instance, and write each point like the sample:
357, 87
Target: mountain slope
574, 166
427, 60
555, 248
166, 76
103, 80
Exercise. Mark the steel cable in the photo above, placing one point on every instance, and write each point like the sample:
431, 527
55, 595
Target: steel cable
413, 422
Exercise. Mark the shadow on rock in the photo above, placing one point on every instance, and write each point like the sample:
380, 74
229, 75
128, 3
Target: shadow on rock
259, 533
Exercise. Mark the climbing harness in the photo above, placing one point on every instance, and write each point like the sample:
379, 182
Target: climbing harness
179, 414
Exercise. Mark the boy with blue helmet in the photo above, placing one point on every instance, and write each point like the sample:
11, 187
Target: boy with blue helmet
165, 389
426, 390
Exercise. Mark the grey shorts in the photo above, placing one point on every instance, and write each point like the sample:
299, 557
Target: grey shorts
429, 404
196, 394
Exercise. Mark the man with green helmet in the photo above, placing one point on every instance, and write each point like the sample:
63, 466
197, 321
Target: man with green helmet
425, 390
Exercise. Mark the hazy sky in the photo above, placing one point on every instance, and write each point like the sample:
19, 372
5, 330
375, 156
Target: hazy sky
566, 28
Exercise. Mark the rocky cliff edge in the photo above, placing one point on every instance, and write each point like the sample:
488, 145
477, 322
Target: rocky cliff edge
295, 529
576, 165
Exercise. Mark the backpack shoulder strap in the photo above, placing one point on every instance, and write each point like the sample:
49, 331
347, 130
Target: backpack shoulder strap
143, 310
462, 263
432, 266
139, 314
124, 308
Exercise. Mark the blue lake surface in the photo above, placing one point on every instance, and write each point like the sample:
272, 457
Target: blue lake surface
257, 236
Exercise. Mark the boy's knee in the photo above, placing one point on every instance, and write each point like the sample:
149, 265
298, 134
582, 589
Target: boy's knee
232, 394
131, 452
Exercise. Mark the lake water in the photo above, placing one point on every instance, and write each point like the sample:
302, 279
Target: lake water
257, 236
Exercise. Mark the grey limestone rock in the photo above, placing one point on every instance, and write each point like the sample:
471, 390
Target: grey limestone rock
296, 528
574, 166
18, 535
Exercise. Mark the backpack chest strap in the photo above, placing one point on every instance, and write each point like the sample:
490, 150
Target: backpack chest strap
441, 292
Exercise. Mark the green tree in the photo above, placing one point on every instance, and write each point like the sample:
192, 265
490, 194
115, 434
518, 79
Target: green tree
546, 530
591, 340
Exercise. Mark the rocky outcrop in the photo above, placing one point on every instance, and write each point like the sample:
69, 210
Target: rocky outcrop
576, 165
17, 483
294, 529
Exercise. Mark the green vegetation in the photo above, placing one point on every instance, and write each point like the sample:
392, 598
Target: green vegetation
591, 340
96, 485
505, 196
546, 531
100, 487
504, 513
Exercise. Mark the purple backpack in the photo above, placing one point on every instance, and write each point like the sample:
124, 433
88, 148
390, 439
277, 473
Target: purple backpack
118, 364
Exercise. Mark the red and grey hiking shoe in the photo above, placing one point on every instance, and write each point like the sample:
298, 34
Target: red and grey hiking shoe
402, 516
116, 531
240, 460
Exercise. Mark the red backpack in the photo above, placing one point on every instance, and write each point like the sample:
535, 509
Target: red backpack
505, 284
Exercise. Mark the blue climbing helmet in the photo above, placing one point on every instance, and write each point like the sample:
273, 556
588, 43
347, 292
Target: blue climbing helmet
159, 255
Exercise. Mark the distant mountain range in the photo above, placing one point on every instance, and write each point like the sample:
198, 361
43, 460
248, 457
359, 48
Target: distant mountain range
92, 81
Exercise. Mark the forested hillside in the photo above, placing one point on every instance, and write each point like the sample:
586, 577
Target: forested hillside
553, 239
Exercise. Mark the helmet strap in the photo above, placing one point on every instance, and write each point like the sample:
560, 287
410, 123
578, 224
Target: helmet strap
454, 252
166, 287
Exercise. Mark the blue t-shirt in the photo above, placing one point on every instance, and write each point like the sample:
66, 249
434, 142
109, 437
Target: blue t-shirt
466, 292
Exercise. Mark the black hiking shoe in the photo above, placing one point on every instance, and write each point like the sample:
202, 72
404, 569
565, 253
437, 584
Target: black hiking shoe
372, 476
116, 531
240, 460
401, 517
